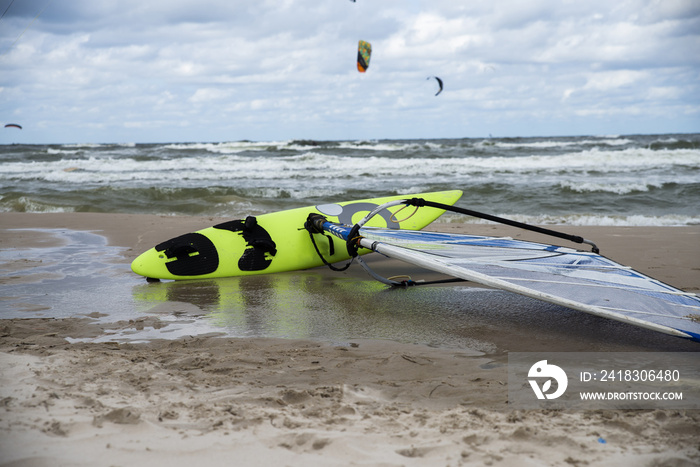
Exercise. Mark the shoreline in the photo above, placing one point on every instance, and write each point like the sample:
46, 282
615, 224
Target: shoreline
669, 254
298, 401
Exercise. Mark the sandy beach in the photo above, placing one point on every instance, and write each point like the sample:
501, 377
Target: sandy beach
211, 400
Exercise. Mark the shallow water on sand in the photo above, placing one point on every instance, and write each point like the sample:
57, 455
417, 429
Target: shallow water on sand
77, 275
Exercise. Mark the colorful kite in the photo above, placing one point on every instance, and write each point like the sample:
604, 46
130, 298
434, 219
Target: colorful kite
13, 125
364, 52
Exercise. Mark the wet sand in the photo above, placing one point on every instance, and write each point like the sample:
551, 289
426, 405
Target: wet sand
216, 401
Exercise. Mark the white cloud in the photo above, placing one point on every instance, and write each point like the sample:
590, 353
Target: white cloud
209, 95
183, 70
611, 80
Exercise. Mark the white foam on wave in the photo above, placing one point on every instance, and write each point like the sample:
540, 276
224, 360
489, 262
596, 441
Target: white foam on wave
314, 165
618, 172
617, 188
53, 151
82, 146
298, 192
98, 145
636, 220
25, 204
550, 144
599, 160
230, 147
387, 146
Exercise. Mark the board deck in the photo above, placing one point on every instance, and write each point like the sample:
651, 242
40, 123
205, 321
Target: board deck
274, 242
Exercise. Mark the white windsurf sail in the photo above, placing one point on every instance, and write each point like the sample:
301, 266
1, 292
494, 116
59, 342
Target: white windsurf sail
575, 279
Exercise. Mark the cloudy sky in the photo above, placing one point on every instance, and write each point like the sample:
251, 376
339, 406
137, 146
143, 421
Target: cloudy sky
226, 70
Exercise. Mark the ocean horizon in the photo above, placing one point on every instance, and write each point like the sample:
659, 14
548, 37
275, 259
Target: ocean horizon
650, 180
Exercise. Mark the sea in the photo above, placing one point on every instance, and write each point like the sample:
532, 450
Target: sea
627, 180
630, 180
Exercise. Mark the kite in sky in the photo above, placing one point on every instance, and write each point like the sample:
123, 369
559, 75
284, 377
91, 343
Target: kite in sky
439, 83
364, 52
13, 125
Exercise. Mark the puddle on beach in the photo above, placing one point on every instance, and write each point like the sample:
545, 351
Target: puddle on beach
77, 274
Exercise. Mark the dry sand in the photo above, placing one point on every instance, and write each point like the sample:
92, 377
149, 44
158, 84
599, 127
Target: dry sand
223, 401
